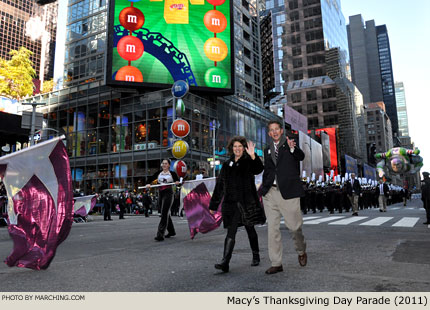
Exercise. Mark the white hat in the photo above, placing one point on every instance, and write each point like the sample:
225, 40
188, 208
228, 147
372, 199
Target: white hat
331, 173
343, 180
346, 176
313, 176
304, 174
320, 178
308, 179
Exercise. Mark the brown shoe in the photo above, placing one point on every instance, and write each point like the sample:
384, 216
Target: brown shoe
303, 259
273, 270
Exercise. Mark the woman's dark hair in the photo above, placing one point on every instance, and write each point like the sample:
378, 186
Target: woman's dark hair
240, 139
168, 160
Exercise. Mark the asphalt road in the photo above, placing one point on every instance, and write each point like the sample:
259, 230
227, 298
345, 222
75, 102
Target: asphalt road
390, 253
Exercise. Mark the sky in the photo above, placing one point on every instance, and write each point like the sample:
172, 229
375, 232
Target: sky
408, 25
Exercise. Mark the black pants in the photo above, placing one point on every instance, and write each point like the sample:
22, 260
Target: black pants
106, 213
166, 200
426, 206
232, 228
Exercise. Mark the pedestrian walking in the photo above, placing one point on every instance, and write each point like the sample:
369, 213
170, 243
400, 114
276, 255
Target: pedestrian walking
282, 190
383, 191
425, 196
353, 189
235, 186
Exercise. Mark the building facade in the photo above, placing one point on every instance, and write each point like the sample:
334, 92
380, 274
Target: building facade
402, 112
24, 23
378, 127
371, 65
117, 139
313, 69
117, 136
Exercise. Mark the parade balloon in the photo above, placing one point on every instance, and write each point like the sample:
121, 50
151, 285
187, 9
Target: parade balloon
216, 77
215, 49
180, 128
180, 168
131, 18
129, 74
179, 149
215, 21
180, 107
216, 2
130, 48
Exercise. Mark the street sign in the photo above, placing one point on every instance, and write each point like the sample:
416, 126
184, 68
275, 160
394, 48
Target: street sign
26, 120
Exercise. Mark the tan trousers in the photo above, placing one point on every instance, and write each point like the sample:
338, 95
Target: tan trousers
354, 202
275, 206
382, 202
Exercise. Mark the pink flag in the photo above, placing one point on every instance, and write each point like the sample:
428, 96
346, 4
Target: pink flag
83, 205
196, 207
40, 209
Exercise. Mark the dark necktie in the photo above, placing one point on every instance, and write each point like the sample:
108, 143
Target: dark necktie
276, 152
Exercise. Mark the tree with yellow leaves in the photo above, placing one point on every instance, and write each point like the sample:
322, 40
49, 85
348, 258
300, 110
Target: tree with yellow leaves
16, 74
48, 86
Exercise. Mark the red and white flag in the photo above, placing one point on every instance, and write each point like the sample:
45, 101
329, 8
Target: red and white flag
40, 205
84, 205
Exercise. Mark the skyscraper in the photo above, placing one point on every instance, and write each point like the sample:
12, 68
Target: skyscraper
402, 112
312, 68
371, 66
24, 23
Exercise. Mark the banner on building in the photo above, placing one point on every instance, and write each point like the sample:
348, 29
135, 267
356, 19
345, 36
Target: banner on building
351, 165
369, 172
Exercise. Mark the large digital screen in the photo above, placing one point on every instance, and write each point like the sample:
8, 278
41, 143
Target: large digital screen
154, 43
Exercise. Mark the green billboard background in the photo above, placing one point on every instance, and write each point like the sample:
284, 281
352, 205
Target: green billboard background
187, 38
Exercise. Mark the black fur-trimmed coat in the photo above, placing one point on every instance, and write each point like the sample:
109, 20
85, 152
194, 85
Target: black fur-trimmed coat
236, 184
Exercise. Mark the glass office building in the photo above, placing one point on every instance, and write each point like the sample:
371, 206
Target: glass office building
117, 139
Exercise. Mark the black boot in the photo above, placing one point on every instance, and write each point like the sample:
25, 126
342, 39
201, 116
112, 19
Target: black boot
255, 251
228, 251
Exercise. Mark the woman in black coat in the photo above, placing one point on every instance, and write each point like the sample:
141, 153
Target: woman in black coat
241, 206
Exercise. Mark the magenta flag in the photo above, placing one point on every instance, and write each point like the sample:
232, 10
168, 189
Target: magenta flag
83, 205
196, 207
40, 209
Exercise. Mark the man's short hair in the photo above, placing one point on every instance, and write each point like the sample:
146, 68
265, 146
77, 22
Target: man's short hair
274, 121
426, 175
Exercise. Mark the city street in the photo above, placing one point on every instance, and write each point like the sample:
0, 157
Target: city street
372, 252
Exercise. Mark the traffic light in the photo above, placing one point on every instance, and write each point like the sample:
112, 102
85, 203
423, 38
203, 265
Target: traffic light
371, 155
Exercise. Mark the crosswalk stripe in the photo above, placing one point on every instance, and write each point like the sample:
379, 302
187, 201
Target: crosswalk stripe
349, 220
396, 208
325, 219
406, 222
310, 218
377, 221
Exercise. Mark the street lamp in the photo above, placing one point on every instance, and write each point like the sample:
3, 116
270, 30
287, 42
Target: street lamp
33, 118
215, 125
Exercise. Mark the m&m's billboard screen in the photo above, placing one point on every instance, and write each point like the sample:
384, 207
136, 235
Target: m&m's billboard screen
157, 42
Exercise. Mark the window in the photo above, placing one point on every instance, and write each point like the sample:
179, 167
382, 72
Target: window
279, 30
295, 39
297, 63
329, 106
314, 35
294, 16
311, 95
314, 47
315, 60
270, 4
328, 93
296, 97
312, 11
280, 19
295, 27
313, 72
331, 120
293, 4
313, 122
312, 108
298, 75
298, 108
297, 51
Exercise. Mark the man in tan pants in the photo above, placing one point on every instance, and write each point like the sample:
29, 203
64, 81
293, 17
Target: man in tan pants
282, 190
